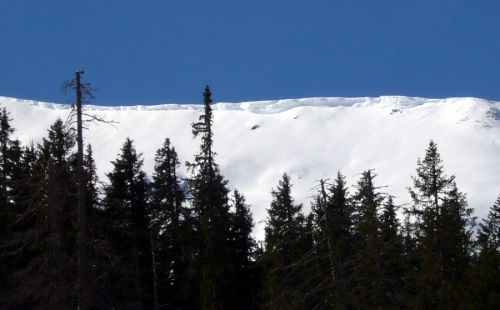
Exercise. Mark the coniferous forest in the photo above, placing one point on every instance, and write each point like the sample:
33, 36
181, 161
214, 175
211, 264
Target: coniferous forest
71, 241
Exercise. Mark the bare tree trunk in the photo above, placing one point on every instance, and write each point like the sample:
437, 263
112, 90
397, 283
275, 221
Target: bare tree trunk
55, 222
82, 212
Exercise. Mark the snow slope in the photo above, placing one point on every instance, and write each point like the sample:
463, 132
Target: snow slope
308, 138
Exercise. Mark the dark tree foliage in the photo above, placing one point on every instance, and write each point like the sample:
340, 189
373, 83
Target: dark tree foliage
131, 276
485, 274
333, 219
285, 249
153, 244
43, 241
243, 248
99, 296
395, 268
366, 279
169, 228
11, 177
444, 224
212, 218
6, 161
489, 230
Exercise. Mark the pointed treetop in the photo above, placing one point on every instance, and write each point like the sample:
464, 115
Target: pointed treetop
207, 95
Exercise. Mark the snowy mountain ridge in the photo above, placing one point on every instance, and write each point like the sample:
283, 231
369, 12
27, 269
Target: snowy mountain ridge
270, 106
308, 138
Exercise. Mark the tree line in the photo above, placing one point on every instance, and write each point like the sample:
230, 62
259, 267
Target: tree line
163, 242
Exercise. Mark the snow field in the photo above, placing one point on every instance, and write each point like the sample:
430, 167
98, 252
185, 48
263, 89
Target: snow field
309, 138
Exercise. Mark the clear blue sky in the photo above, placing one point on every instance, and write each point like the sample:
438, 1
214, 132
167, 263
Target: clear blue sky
166, 51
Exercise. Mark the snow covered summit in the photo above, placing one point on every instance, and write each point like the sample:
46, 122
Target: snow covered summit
308, 138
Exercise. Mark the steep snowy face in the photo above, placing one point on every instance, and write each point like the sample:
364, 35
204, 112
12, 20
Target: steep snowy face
308, 138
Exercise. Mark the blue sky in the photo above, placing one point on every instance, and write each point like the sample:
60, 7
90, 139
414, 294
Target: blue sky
166, 51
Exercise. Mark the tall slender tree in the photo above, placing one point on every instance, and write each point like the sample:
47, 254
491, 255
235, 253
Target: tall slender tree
444, 223
211, 208
333, 213
168, 228
83, 92
484, 275
44, 231
10, 155
366, 279
283, 265
82, 207
242, 256
6, 131
128, 231
395, 269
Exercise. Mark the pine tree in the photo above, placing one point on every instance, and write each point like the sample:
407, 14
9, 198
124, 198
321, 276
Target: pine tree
211, 210
131, 279
444, 234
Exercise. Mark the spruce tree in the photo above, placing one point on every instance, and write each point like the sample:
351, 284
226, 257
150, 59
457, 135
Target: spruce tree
10, 154
44, 230
485, 274
242, 256
444, 224
168, 228
395, 270
131, 279
333, 214
211, 210
14, 254
99, 251
342, 236
489, 229
283, 251
6, 131
366, 279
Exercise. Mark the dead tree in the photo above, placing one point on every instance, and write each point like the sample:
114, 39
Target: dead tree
83, 92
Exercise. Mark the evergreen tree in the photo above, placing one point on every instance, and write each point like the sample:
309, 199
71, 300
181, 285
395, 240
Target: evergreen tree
6, 131
131, 279
444, 234
333, 214
10, 154
44, 230
99, 251
16, 256
243, 249
211, 210
366, 279
394, 265
283, 250
489, 229
485, 274
168, 228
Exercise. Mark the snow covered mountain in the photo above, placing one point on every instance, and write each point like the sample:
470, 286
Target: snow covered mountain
308, 138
